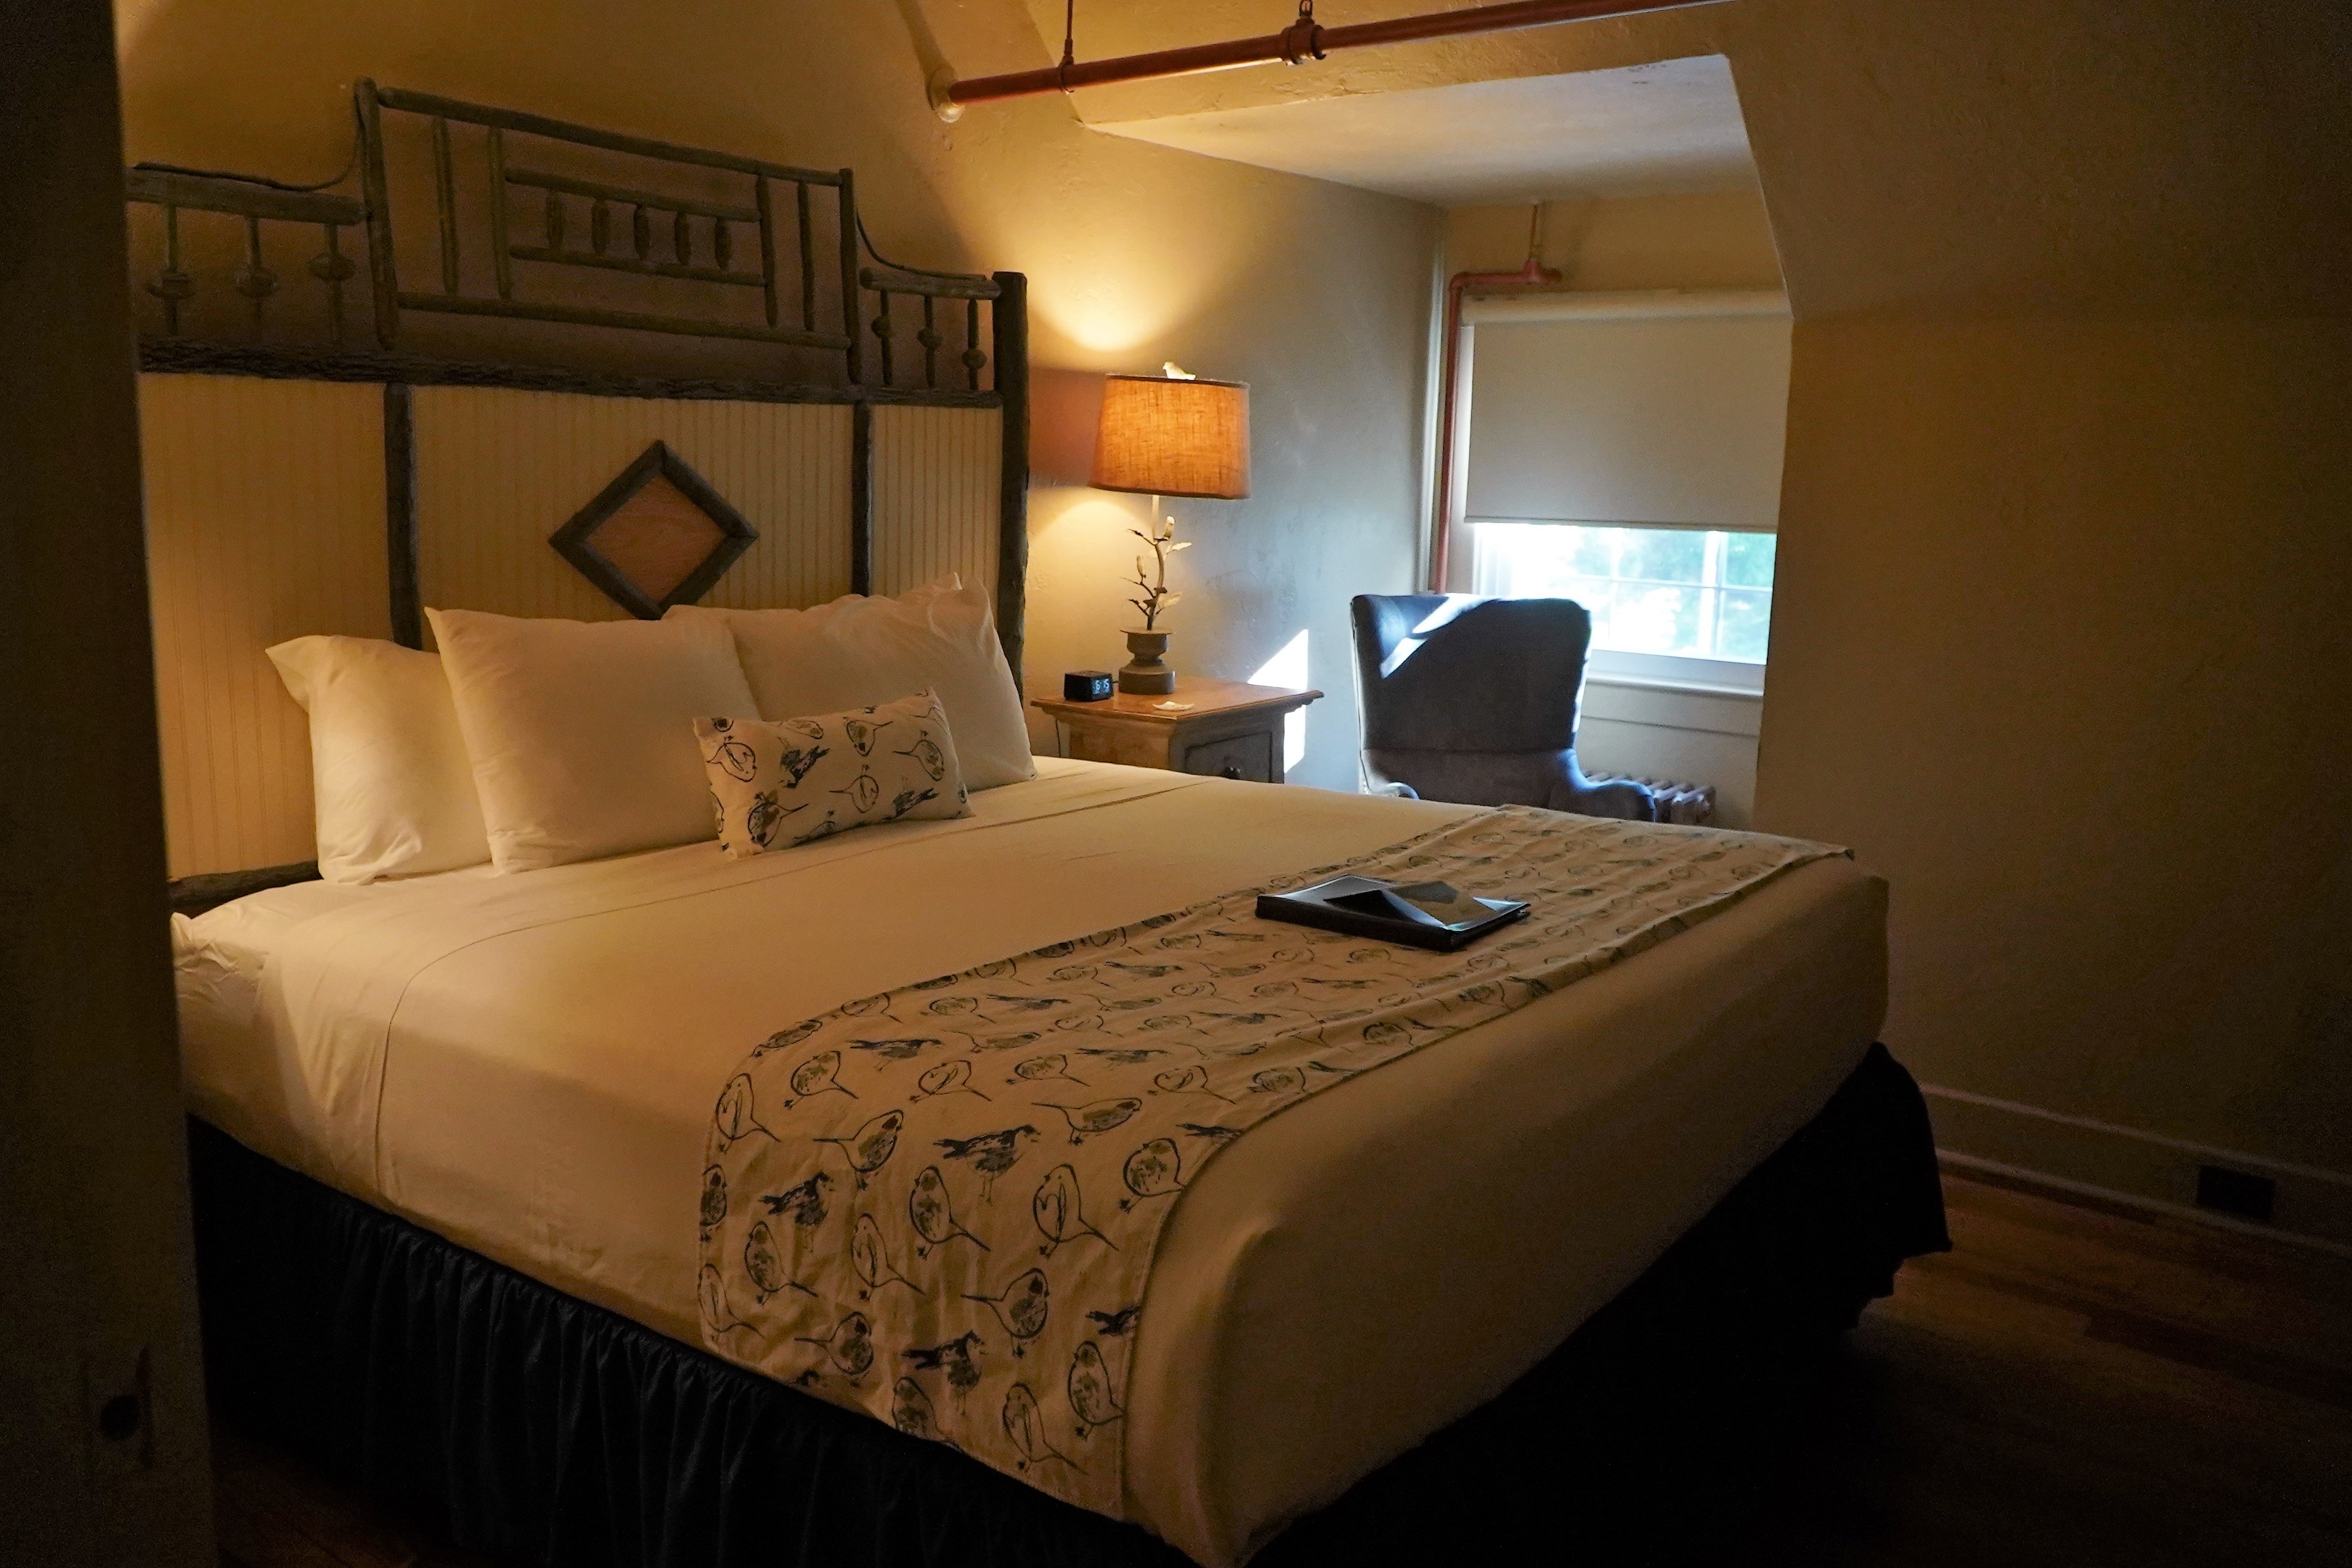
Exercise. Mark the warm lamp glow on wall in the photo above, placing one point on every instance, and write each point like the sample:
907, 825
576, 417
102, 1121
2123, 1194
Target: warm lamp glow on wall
1168, 436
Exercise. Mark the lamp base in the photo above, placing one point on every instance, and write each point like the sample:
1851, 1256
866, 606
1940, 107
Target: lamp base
1146, 675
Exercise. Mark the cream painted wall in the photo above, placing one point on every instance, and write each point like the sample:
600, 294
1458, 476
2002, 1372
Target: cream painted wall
1696, 239
1314, 293
2061, 642
2062, 650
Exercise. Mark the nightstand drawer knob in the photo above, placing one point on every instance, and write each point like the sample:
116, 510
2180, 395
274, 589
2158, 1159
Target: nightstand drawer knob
1249, 758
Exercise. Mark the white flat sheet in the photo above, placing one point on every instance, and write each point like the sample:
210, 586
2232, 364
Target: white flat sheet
527, 1065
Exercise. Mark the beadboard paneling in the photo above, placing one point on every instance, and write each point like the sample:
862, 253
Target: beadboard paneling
265, 521
935, 500
498, 470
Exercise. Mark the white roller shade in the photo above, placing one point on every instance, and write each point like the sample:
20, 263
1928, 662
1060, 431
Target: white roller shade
1657, 410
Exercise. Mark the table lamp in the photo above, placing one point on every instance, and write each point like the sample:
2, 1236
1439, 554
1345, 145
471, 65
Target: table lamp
1171, 434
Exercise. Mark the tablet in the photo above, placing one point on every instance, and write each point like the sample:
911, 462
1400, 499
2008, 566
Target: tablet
1435, 915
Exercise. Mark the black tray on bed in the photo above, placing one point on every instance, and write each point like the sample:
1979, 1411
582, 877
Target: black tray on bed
1434, 915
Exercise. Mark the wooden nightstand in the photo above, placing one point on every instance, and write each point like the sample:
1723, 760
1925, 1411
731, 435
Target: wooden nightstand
1232, 730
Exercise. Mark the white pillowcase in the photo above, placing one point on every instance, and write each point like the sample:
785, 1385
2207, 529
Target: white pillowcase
582, 732
778, 785
389, 774
856, 652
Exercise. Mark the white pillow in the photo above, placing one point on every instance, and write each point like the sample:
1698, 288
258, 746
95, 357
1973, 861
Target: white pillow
856, 652
394, 789
778, 785
582, 732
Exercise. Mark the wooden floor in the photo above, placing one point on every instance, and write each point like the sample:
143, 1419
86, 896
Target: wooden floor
2068, 1386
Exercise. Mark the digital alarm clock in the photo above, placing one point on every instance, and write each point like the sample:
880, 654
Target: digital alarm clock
1086, 686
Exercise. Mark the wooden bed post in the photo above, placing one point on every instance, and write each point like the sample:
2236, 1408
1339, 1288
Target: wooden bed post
1010, 321
400, 514
861, 496
849, 310
377, 195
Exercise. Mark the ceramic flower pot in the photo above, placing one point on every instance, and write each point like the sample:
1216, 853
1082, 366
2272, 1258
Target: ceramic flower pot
1145, 674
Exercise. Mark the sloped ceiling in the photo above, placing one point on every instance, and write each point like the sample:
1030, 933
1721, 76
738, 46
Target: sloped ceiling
1636, 131
1936, 158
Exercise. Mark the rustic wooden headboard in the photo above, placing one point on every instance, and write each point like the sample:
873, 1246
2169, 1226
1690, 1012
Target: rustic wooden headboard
299, 484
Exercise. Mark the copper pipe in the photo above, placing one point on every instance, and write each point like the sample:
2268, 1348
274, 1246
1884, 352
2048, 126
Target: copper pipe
1303, 40
1531, 274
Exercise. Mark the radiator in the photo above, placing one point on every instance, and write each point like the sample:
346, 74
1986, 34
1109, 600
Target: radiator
1679, 800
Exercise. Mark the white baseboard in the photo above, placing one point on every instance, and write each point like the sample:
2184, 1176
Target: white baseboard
2019, 1175
2150, 1171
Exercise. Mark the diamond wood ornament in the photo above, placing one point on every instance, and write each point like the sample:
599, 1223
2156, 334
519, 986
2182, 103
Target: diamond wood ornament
657, 535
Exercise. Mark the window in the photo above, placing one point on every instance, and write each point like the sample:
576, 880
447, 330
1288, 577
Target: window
1624, 450
1680, 593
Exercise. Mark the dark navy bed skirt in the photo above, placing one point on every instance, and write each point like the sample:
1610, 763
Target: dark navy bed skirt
517, 1420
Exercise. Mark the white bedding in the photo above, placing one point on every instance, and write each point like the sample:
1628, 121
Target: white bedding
526, 1066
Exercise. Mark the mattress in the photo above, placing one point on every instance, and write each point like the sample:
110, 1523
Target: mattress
526, 1066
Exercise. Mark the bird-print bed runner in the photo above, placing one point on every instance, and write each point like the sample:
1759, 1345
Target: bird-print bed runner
940, 1204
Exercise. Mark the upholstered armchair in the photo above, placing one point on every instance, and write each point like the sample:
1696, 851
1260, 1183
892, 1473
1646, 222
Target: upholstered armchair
1475, 700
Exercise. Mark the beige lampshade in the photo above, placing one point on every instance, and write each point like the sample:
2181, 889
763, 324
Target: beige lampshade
1165, 436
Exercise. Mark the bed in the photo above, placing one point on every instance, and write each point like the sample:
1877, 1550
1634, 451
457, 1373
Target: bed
547, 1082
451, 1126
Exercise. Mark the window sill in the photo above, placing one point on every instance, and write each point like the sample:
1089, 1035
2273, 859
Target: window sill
1677, 673
1669, 683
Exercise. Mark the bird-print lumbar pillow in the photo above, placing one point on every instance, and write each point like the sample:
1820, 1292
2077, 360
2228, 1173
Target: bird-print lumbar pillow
776, 785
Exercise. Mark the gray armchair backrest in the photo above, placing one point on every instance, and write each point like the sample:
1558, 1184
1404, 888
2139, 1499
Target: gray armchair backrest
1475, 700
1451, 672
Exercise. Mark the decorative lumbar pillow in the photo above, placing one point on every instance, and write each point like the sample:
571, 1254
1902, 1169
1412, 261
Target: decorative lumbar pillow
581, 731
780, 784
857, 651
389, 777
